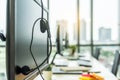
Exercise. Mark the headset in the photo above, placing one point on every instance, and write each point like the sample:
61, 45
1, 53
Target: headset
44, 26
24, 70
2, 37
43, 22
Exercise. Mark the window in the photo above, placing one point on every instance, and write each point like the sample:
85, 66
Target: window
63, 12
84, 21
2, 44
3, 16
105, 22
99, 25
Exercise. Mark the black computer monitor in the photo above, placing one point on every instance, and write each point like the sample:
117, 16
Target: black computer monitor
21, 15
59, 44
66, 44
59, 40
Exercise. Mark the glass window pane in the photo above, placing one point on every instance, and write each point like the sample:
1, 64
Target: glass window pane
106, 56
118, 74
64, 13
45, 3
2, 59
85, 50
2, 44
105, 21
85, 21
2, 19
3, 16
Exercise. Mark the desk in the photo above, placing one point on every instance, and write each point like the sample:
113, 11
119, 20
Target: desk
96, 66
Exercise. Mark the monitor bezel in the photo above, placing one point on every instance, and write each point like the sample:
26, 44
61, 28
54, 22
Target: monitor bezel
59, 39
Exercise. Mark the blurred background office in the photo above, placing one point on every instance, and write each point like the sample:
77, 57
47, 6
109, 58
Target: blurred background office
90, 24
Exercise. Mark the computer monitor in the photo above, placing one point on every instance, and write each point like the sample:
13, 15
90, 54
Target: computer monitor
21, 15
59, 40
66, 41
59, 44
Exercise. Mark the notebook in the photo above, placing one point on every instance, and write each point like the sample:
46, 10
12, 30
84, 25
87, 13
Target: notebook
78, 68
58, 70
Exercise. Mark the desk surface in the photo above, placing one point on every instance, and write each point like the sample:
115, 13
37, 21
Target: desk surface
96, 67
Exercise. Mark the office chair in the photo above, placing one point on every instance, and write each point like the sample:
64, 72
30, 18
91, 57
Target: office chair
116, 63
97, 53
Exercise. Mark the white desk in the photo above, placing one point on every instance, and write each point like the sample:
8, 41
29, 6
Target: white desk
96, 67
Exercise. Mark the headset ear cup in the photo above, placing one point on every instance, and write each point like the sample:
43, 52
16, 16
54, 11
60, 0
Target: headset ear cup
18, 70
25, 70
43, 26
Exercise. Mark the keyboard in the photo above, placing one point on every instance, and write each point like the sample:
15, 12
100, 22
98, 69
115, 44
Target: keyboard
84, 63
61, 63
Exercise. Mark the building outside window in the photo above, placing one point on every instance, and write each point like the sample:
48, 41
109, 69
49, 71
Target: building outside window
64, 12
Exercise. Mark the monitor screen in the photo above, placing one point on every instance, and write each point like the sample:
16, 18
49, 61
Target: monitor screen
21, 16
59, 40
66, 42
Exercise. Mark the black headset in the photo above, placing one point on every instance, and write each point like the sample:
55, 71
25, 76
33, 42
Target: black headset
43, 22
24, 70
2, 37
44, 25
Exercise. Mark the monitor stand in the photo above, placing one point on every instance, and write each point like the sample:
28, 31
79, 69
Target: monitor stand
52, 62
